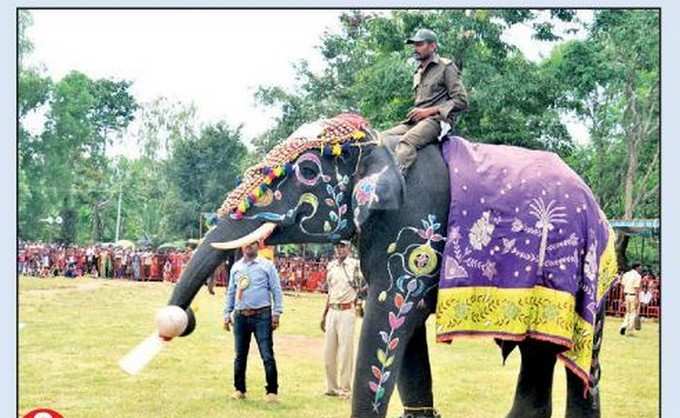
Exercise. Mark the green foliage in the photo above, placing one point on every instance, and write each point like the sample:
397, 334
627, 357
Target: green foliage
512, 101
204, 170
24, 43
162, 124
66, 164
609, 79
34, 91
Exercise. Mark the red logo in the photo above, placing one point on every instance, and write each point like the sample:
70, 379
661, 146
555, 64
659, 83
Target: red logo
43, 413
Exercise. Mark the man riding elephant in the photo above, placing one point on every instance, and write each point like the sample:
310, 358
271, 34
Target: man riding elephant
439, 97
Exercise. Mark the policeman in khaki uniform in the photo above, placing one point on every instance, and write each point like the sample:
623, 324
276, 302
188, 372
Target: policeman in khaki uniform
631, 289
344, 281
439, 97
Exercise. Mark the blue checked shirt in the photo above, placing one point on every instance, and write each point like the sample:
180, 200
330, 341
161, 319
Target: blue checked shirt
264, 285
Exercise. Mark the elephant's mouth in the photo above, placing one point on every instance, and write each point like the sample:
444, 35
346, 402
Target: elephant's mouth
260, 234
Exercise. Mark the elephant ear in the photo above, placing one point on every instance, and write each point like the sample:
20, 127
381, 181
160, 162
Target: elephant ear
380, 185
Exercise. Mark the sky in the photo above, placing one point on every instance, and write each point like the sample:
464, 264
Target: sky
213, 58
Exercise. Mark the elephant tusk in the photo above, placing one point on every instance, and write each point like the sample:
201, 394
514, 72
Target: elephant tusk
259, 234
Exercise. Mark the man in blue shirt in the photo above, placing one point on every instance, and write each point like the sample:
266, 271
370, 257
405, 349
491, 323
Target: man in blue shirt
253, 283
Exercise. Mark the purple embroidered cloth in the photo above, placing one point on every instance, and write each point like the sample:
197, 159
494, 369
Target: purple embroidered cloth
520, 218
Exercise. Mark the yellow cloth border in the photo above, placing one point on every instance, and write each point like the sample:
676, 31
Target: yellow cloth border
607, 266
538, 312
515, 314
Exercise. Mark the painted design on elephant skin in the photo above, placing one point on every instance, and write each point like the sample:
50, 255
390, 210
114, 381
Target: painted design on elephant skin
313, 158
336, 136
365, 190
408, 289
336, 200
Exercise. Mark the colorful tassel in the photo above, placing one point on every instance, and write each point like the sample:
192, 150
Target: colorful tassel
336, 150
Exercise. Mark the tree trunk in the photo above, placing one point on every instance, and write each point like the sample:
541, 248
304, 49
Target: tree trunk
68, 226
621, 248
632, 115
631, 174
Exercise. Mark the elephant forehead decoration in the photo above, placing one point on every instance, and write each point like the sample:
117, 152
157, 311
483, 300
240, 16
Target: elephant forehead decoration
337, 134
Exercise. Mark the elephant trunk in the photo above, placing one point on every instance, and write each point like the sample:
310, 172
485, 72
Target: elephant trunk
203, 263
217, 245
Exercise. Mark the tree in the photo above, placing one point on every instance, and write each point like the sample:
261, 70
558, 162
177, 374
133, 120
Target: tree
612, 80
203, 172
34, 90
69, 155
512, 101
25, 21
164, 123
163, 126
113, 110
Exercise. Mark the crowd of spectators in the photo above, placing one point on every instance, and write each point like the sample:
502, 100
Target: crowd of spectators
100, 261
146, 264
301, 274
297, 273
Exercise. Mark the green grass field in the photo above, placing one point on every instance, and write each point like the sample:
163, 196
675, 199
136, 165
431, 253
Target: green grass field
75, 331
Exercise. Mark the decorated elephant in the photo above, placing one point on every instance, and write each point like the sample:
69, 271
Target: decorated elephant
496, 240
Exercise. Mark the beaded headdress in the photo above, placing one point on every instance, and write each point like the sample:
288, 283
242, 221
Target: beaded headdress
337, 135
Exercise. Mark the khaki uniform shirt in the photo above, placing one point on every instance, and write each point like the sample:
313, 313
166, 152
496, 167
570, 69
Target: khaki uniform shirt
438, 85
343, 280
631, 281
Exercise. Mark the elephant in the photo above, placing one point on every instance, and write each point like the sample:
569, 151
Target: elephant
336, 180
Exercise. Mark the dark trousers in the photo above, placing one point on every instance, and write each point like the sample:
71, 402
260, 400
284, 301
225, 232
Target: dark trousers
259, 324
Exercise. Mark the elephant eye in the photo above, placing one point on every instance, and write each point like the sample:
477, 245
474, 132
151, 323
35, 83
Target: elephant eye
308, 172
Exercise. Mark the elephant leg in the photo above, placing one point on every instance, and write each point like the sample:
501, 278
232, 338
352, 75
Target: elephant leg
580, 405
382, 347
533, 396
415, 380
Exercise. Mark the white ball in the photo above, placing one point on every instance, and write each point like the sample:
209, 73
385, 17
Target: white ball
171, 321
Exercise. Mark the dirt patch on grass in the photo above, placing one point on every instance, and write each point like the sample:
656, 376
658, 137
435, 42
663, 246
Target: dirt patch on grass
299, 346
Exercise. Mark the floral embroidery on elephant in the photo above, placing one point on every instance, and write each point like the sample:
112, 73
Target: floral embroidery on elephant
527, 255
418, 264
481, 237
481, 232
